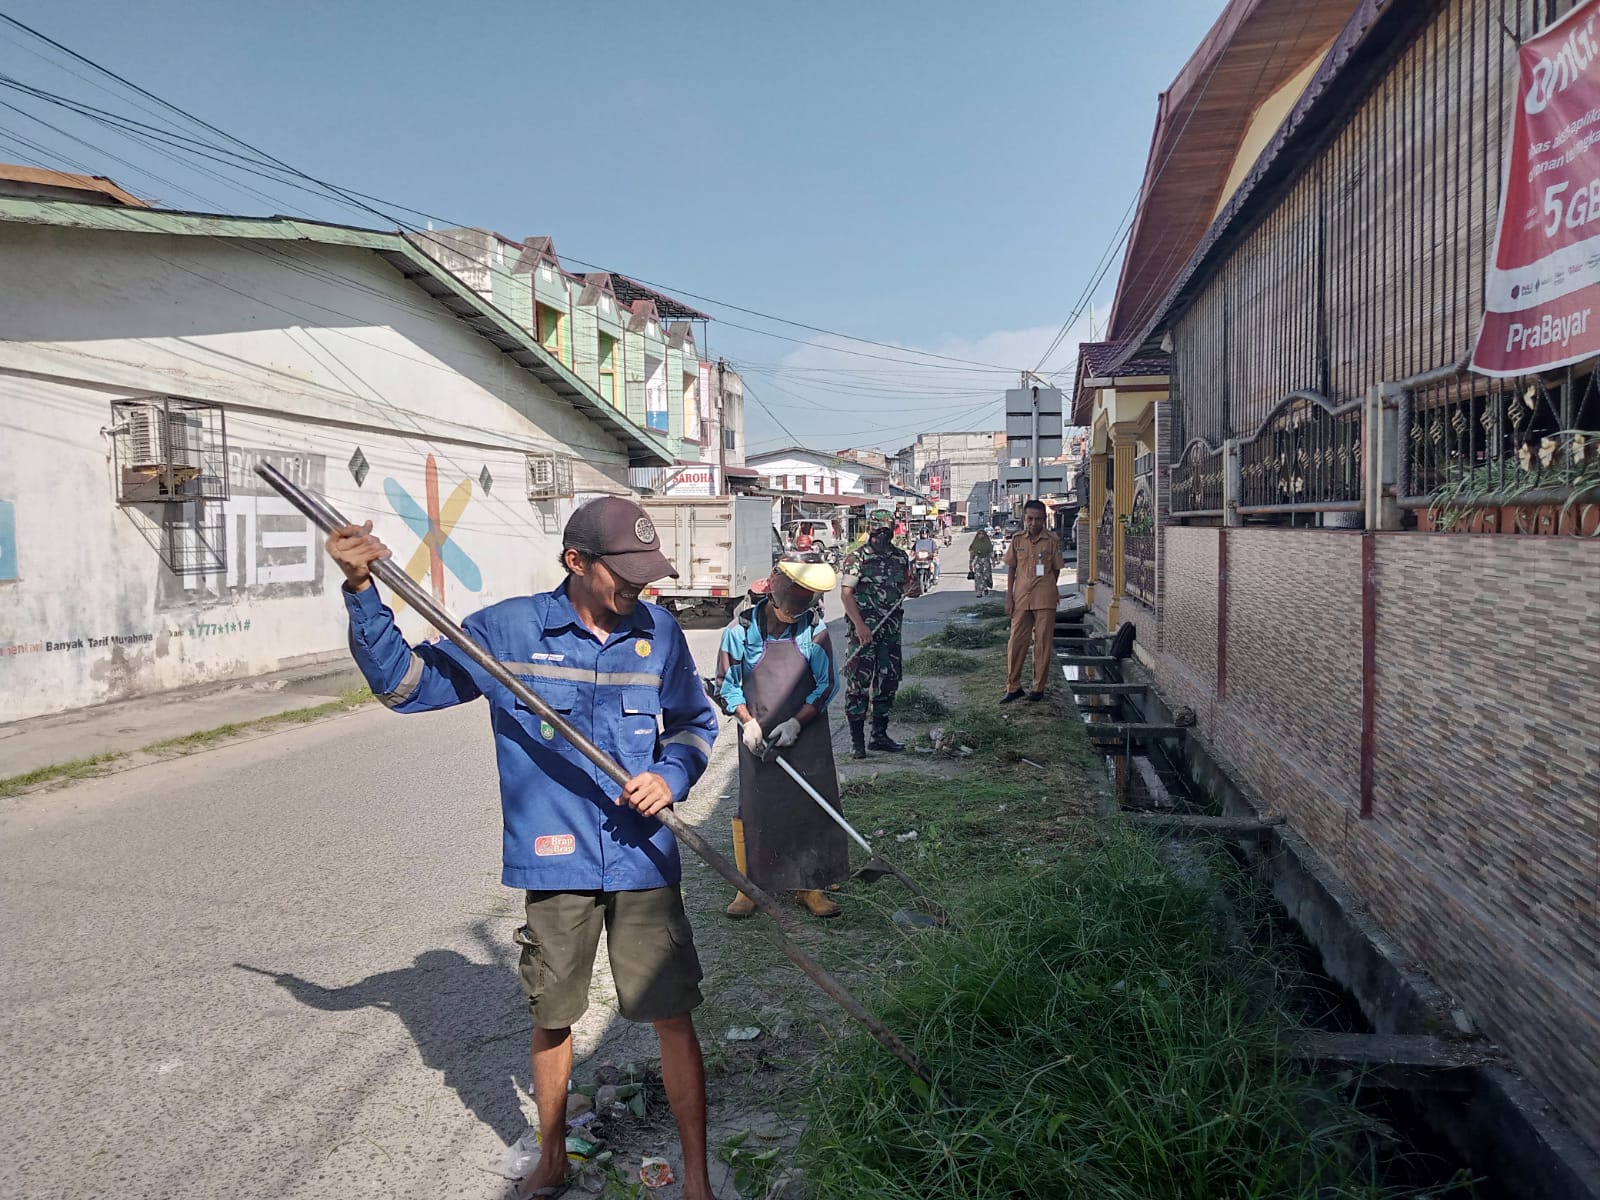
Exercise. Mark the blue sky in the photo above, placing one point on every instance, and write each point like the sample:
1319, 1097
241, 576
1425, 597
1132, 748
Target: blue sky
934, 175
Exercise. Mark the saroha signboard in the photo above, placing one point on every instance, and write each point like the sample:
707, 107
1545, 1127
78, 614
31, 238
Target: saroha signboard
691, 481
1544, 280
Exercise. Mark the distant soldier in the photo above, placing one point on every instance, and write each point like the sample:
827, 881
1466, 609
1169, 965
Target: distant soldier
876, 581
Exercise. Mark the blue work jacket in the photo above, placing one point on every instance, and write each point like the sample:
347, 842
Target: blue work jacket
637, 695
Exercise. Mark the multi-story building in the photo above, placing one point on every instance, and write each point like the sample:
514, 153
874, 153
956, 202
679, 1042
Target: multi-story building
957, 460
634, 345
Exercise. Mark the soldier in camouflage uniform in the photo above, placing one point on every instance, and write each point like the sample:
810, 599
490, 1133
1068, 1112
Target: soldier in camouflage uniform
876, 580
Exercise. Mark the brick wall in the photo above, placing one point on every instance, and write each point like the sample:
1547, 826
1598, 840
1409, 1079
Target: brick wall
1293, 688
1187, 670
1483, 851
1482, 854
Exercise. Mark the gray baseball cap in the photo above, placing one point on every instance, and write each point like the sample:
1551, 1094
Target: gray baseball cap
621, 534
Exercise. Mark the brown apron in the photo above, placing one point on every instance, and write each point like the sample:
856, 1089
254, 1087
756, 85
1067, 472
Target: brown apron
790, 844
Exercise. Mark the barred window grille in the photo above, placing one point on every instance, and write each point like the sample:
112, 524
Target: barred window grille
549, 477
167, 449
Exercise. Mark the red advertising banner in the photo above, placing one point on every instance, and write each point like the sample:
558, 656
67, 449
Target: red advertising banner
1544, 281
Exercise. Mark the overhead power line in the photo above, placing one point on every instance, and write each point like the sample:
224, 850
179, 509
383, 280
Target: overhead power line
360, 200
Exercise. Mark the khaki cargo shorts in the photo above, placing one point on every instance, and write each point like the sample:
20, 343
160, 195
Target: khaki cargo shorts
653, 960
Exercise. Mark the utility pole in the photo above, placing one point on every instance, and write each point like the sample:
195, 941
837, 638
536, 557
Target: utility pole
1034, 495
722, 430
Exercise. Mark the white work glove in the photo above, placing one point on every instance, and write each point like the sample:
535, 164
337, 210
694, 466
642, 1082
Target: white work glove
751, 736
786, 734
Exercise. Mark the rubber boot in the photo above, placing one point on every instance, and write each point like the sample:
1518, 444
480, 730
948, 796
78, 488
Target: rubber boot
742, 905
858, 737
881, 739
817, 904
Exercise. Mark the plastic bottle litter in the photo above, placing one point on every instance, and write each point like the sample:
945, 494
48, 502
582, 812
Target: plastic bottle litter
906, 837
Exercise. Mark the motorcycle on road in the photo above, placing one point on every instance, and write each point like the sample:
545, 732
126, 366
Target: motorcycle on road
922, 570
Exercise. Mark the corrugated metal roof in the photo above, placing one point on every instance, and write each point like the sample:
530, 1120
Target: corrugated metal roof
45, 177
408, 259
629, 290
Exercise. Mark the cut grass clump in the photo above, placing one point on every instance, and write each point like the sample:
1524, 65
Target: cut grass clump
974, 635
1101, 1040
985, 610
1018, 736
77, 768
939, 661
918, 704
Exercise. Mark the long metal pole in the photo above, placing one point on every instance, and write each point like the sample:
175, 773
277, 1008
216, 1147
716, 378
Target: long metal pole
327, 518
838, 817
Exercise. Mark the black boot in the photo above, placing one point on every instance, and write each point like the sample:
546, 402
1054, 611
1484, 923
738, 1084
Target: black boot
881, 739
858, 737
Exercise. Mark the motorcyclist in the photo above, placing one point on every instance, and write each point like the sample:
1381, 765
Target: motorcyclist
927, 542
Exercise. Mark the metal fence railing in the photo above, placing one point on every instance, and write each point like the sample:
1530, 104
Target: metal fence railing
1139, 548
1198, 479
1305, 457
1469, 447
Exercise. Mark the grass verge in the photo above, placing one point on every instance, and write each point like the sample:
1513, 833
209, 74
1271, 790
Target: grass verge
1102, 1044
205, 738
985, 609
918, 704
77, 768
973, 635
939, 661
1105, 1033
104, 764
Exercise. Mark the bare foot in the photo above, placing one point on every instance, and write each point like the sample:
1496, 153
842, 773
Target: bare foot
550, 1173
698, 1188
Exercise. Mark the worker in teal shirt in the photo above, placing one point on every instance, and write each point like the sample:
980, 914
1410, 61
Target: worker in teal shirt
775, 673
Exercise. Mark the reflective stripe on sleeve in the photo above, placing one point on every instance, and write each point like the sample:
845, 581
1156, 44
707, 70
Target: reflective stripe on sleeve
407, 686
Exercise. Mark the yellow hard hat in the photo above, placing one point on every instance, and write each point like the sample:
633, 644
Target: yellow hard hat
813, 576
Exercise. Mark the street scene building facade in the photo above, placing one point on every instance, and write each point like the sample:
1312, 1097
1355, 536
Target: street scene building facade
1352, 559
1304, 785
153, 360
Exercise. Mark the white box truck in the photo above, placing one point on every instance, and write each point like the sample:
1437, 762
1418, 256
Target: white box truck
720, 546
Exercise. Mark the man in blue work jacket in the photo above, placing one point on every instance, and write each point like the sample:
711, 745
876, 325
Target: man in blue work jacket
587, 853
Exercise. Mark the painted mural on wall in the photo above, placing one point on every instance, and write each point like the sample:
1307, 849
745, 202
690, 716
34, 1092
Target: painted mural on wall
8, 541
433, 524
271, 549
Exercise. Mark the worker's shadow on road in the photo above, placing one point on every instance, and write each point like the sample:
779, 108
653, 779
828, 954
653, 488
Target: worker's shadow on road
468, 1020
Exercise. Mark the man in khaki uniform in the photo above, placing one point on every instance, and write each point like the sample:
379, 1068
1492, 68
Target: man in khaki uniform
1033, 571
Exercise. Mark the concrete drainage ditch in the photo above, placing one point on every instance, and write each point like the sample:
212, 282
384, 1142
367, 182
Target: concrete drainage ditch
1422, 1067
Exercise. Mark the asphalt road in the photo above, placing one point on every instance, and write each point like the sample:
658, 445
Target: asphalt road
281, 968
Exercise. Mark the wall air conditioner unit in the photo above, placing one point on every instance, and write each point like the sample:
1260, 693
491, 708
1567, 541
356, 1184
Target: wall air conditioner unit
157, 439
549, 477
161, 450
